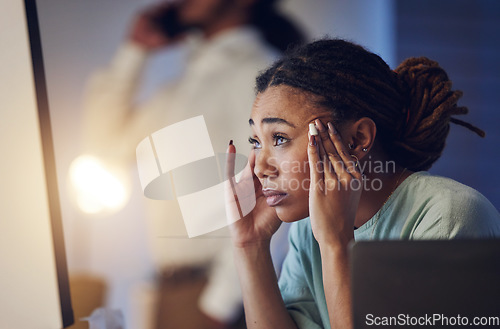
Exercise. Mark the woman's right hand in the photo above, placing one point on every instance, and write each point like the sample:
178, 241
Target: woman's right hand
253, 221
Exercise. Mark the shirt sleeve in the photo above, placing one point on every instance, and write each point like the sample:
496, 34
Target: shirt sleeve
463, 214
294, 286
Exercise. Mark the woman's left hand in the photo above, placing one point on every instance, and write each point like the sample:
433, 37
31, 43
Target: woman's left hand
335, 190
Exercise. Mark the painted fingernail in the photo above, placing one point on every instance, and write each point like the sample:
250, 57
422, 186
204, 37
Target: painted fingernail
312, 129
320, 125
231, 142
312, 140
331, 128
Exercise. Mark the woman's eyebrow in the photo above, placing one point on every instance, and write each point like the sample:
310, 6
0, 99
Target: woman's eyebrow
273, 120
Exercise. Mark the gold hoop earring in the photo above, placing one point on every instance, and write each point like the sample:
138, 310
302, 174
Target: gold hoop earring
355, 159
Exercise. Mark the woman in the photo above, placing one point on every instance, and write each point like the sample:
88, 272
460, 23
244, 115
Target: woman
361, 177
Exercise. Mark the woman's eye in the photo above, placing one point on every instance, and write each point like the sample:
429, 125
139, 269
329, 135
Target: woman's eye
255, 143
280, 140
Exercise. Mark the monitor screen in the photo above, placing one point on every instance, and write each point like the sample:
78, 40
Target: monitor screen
33, 276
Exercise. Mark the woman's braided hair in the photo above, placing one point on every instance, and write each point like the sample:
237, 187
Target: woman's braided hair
411, 106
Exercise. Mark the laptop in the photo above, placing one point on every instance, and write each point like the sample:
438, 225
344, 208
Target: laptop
439, 283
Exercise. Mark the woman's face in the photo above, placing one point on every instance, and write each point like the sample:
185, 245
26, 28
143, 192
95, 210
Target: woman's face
280, 121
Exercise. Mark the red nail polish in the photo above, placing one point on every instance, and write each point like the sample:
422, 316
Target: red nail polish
312, 140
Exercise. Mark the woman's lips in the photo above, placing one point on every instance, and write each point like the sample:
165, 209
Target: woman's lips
274, 198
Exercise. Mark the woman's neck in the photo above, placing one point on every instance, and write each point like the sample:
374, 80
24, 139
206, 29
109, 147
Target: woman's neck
379, 185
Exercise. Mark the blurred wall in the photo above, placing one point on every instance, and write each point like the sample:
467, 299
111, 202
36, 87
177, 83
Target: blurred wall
370, 23
80, 36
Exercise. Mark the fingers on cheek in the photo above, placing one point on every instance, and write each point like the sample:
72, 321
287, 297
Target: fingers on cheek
312, 141
321, 146
312, 150
317, 186
331, 184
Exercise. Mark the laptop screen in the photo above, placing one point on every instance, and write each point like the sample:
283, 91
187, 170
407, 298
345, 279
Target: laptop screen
426, 283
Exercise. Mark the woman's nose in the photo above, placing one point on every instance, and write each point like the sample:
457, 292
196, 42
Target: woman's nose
265, 165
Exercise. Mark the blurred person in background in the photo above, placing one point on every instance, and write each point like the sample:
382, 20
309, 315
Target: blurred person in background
229, 41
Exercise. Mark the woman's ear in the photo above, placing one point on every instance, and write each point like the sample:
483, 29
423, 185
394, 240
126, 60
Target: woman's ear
363, 133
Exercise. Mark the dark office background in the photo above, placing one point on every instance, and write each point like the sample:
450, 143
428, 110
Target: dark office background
464, 37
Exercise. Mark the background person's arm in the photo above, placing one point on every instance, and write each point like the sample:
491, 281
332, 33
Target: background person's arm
113, 124
109, 102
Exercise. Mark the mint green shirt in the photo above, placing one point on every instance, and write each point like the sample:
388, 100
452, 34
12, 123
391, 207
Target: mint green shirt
422, 207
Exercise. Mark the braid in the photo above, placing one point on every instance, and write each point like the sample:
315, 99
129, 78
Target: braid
411, 106
432, 102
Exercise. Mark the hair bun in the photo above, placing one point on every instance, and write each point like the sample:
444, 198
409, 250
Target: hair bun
431, 103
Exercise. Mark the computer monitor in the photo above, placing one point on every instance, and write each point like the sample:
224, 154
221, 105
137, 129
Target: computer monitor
34, 288
442, 283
